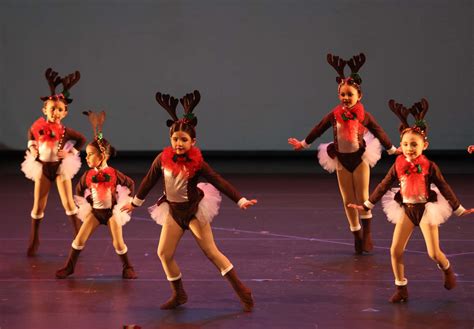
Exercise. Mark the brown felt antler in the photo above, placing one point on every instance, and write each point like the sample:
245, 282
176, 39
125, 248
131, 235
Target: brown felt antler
401, 112
190, 101
419, 109
356, 62
96, 120
70, 80
338, 64
53, 79
169, 103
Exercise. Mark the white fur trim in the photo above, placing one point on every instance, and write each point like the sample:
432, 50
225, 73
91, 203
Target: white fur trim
459, 211
137, 202
76, 246
175, 278
329, 164
227, 270
366, 216
37, 216
392, 150
242, 201
355, 228
445, 267
123, 198
369, 204
373, 150
72, 212
403, 282
122, 252
31, 168
75, 151
304, 144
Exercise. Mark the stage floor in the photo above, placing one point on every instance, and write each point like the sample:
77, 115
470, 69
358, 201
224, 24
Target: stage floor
294, 250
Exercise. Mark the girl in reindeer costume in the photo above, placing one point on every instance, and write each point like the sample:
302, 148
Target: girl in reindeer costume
417, 202
186, 204
53, 155
353, 151
100, 193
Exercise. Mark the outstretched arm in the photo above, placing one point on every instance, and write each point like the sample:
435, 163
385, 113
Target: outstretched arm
379, 133
379, 191
446, 190
317, 131
225, 187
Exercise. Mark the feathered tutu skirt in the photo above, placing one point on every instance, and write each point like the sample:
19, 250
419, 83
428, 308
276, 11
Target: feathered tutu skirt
70, 165
123, 198
436, 213
371, 155
207, 209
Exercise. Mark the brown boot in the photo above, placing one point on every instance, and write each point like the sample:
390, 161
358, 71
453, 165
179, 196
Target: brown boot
449, 277
34, 238
127, 269
400, 295
358, 241
68, 269
76, 224
242, 291
367, 244
178, 296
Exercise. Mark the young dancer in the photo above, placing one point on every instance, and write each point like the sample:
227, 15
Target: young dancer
417, 202
53, 155
100, 193
353, 150
186, 204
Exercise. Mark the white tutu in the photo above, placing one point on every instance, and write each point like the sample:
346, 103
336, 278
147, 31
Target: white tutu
71, 163
372, 154
84, 207
392, 208
373, 149
208, 207
123, 197
436, 213
31, 168
329, 164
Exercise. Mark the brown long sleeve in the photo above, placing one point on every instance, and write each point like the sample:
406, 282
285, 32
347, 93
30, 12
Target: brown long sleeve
154, 173
71, 134
81, 186
124, 180
384, 186
320, 128
376, 130
220, 183
436, 177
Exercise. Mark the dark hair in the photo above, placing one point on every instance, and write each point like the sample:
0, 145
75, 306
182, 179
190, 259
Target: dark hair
183, 126
103, 146
55, 100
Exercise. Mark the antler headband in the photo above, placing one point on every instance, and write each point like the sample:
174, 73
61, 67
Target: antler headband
54, 80
97, 120
355, 63
418, 111
189, 102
